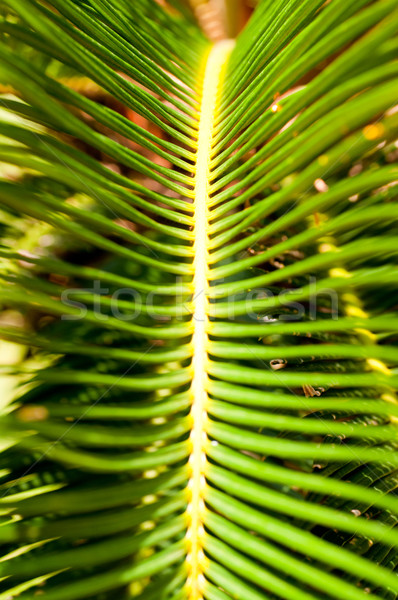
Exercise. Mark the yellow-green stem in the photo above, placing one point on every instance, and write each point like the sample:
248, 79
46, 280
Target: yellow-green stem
212, 80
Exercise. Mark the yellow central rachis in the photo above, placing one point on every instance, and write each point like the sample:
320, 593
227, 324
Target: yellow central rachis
211, 85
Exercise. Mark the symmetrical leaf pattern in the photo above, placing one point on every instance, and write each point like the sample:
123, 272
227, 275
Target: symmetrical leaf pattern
205, 255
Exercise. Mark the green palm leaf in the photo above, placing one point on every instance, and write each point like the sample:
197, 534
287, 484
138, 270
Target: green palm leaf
204, 257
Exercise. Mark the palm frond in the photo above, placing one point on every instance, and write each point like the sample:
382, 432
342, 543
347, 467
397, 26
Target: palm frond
207, 409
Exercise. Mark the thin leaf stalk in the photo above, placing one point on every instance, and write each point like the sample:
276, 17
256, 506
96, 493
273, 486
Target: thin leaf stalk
212, 80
